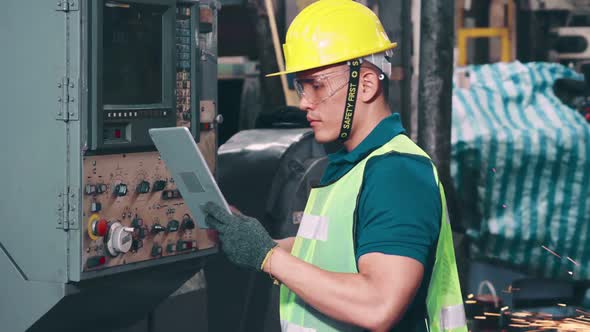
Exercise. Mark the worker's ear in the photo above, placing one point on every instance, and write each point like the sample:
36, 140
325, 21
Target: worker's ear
368, 85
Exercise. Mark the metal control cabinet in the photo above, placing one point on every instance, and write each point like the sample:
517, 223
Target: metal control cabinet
94, 232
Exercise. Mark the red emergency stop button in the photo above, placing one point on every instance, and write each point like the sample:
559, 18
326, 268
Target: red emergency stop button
100, 227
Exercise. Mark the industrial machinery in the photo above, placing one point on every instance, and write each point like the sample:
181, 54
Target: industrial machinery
91, 220
556, 31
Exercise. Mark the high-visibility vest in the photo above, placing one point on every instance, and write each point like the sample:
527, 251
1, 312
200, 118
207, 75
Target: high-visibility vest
326, 240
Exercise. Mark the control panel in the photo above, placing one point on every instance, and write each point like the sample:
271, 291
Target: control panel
132, 209
184, 69
134, 212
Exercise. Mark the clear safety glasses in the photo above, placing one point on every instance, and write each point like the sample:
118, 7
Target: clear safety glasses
317, 88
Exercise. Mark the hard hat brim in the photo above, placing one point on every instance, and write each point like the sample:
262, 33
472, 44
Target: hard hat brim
295, 70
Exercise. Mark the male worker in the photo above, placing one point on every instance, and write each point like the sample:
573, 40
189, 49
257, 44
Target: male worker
374, 250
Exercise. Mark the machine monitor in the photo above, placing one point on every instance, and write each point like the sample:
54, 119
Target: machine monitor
141, 73
132, 54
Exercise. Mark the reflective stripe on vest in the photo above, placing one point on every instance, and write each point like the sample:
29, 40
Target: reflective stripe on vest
325, 239
313, 227
290, 327
452, 317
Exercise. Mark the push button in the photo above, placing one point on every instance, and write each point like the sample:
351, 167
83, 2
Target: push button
95, 261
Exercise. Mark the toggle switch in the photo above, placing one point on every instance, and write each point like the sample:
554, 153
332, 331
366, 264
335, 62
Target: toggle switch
157, 228
90, 189
172, 226
171, 194
170, 248
185, 245
136, 245
120, 190
101, 188
143, 187
95, 207
159, 185
137, 222
187, 222
140, 232
156, 250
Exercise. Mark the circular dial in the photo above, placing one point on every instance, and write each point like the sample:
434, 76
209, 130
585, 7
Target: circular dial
119, 238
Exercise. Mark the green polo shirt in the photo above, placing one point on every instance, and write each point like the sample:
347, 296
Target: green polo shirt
398, 210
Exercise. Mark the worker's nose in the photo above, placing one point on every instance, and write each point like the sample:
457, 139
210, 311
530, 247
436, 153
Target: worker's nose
304, 104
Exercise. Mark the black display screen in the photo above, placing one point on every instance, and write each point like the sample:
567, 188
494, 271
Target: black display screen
132, 54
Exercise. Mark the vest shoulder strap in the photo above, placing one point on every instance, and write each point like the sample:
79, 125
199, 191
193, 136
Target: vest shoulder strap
402, 144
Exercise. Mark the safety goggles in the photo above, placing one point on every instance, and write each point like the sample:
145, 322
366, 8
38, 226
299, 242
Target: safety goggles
318, 88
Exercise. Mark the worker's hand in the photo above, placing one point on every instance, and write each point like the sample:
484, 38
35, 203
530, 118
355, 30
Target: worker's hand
244, 241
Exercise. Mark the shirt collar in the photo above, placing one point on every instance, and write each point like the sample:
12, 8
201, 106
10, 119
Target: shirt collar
384, 132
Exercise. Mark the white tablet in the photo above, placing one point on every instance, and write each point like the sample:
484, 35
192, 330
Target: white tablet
189, 170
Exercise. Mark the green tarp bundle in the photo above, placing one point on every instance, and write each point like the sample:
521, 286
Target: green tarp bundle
521, 164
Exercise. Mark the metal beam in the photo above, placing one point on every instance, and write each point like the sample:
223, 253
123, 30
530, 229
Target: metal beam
435, 89
273, 96
396, 19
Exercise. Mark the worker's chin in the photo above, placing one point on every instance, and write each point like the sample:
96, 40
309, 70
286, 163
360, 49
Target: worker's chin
323, 137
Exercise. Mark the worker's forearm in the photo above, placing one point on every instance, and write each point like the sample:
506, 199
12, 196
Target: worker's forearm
286, 243
347, 297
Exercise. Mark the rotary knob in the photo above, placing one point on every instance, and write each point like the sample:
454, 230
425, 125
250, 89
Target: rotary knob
119, 238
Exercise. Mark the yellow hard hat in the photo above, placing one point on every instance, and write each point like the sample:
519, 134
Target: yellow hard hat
332, 31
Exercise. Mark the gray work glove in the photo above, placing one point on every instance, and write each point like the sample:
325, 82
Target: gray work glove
244, 240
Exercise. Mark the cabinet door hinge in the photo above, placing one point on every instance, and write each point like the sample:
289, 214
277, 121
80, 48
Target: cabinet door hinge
67, 99
67, 210
73, 205
62, 211
67, 6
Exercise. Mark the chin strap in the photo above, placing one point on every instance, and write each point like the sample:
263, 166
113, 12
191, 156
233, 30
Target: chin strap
353, 81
